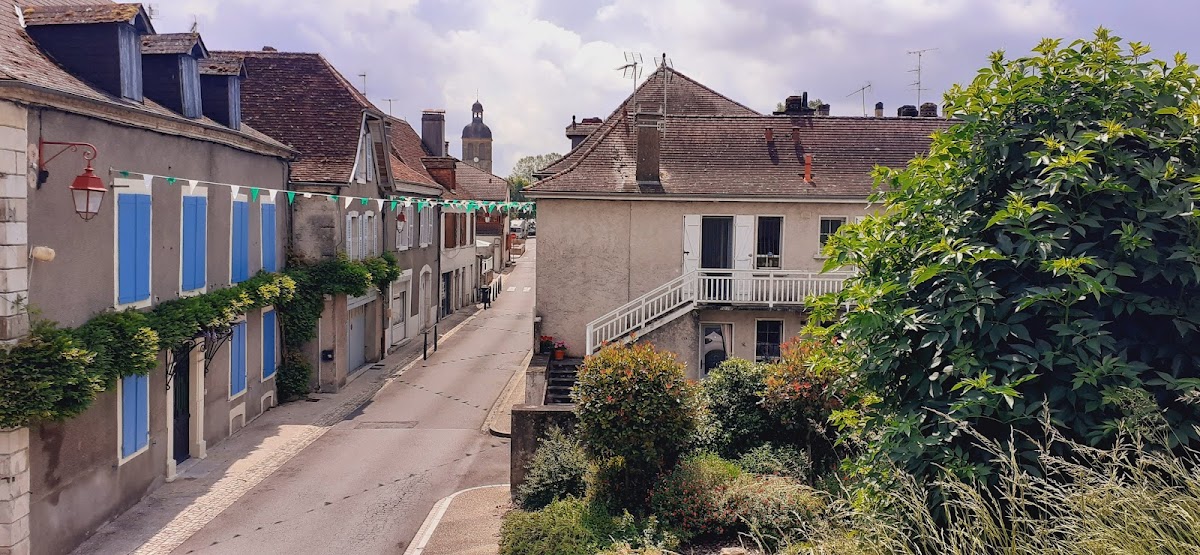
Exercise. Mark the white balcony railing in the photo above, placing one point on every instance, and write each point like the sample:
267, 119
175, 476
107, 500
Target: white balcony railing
766, 288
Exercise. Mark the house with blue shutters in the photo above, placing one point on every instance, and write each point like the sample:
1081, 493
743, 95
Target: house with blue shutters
182, 216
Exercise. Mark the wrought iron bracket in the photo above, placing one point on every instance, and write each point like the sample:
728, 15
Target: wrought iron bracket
174, 356
214, 338
89, 154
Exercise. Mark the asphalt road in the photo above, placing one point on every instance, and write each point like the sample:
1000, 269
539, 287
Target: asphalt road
367, 485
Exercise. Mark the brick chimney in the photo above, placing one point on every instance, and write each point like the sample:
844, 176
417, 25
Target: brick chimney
433, 131
878, 109
578, 131
823, 110
442, 169
907, 111
649, 142
928, 110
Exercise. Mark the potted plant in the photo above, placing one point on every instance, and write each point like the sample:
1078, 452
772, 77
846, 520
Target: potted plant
560, 350
545, 344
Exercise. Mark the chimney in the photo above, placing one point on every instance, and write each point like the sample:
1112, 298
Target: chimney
769, 135
649, 140
907, 111
442, 169
808, 168
433, 131
270, 49
878, 109
797, 106
928, 110
823, 110
578, 131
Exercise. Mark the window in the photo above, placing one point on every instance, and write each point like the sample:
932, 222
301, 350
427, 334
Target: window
269, 334
715, 343
237, 360
410, 224
768, 337
133, 245
352, 235
370, 236
239, 242
829, 226
194, 239
270, 252
427, 225
770, 242
404, 229
135, 414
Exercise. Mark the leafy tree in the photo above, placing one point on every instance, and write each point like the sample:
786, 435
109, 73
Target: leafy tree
523, 169
1043, 257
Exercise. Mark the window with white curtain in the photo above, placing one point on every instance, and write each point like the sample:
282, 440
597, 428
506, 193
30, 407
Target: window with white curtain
353, 232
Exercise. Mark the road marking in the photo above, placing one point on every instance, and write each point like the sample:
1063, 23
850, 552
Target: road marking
512, 289
526, 290
417, 547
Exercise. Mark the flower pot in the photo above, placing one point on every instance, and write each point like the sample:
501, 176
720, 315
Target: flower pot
560, 354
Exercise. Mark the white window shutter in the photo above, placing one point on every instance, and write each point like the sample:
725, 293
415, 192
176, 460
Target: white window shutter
691, 243
743, 242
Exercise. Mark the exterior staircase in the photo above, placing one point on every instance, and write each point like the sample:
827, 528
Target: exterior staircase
694, 289
560, 378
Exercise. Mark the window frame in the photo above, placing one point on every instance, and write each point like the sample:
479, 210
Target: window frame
779, 255
245, 359
266, 200
233, 201
782, 334
262, 371
200, 191
353, 231
122, 187
121, 457
701, 371
823, 237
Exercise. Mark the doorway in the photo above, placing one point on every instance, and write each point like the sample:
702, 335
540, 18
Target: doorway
182, 413
447, 283
716, 252
715, 344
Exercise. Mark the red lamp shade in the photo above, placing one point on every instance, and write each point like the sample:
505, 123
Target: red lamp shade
88, 192
400, 217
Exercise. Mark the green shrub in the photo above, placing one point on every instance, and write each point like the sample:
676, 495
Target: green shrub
735, 419
687, 498
46, 376
558, 470
770, 509
636, 414
293, 377
557, 529
1043, 254
123, 343
781, 460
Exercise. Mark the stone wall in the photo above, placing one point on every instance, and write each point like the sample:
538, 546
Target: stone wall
529, 425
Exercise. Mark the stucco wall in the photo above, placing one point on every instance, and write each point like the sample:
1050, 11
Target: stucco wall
594, 256
76, 480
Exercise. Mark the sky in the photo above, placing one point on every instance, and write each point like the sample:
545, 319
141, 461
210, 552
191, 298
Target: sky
535, 63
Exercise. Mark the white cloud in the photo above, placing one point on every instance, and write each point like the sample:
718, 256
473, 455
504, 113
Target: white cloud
533, 72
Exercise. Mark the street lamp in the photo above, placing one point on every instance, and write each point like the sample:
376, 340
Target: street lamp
87, 191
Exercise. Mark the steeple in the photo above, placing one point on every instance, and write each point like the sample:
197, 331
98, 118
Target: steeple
477, 140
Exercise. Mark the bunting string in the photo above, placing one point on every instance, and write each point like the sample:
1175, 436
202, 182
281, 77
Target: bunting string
391, 203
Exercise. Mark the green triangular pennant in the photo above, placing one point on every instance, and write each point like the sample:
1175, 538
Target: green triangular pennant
363, 201
393, 207
291, 196
333, 198
170, 181
254, 194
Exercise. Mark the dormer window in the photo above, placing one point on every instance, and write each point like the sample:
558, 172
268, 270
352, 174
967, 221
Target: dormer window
99, 43
221, 88
171, 67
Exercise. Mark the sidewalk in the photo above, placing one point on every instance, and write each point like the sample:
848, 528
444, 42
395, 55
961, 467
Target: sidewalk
466, 523
499, 421
205, 487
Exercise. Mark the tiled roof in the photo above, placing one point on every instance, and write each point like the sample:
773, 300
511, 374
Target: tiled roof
73, 13
22, 61
407, 151
477, 184
730, 156
172, 43
302, 100
684, 95
221, 65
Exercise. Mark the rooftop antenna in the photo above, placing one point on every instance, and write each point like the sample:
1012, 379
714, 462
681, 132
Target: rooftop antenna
195, 24
633, 68
862, 91
389, 101
364, 76
152, 11
917, 70
664, 63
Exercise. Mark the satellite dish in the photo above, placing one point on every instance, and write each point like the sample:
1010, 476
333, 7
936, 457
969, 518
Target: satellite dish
476, 159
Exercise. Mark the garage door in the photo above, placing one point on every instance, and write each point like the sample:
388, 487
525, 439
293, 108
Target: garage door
356, 349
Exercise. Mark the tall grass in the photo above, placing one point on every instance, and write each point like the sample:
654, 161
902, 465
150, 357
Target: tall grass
1137, 497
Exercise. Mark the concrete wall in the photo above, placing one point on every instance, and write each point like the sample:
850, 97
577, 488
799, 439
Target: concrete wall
529, 425
597, 255
77, 481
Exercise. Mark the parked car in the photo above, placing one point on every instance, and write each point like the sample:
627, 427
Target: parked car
532, 228
519, 227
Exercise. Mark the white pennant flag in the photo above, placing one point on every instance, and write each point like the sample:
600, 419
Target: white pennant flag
379, 204
233, 191
192, 186
407, 202
271, 193
307, 195
147, 180
346, 201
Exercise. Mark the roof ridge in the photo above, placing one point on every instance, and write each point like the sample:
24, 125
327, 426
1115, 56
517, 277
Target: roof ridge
354, 92
706, 87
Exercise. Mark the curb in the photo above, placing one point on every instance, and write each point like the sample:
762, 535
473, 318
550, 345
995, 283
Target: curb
518, 375
425, 532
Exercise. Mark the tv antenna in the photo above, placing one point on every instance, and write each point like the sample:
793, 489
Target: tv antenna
863, 92
632, 68
917, 70
152, 11
389, 101
364, 76
195, 24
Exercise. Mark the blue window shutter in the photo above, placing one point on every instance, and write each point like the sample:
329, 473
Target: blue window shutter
142, 430
126, 247
241, 238
188, 243
142, 250
128, 415
269, 254
237, 367
201, 236
268, 343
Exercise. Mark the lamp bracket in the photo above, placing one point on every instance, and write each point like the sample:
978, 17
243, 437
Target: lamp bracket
90, 152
